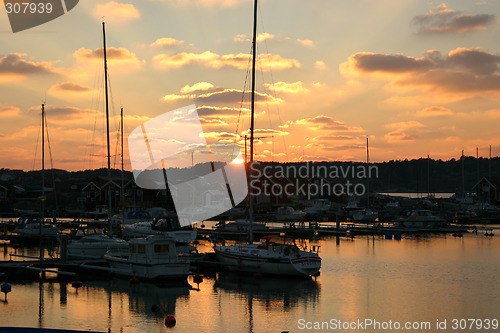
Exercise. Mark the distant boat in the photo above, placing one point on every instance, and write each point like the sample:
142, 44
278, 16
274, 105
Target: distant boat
92, 242
274, 255
240, 225
288, 214
319, 207
150, 258
167, 226
100, 212
131, 217
364, 215
420, 218
28, 226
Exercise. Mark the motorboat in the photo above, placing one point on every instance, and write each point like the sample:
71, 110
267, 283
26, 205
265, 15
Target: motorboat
287, 213
92, 242
240, 225
420, 218
131, 217
364, 215
151, 258
168, 226
273, 255
319, 207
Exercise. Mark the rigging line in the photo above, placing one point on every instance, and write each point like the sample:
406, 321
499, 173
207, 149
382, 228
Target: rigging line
273, 83
245, 85
51, 163
95, 105
36, 149
114, 117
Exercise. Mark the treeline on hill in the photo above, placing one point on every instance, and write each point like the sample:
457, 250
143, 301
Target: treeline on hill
420, 175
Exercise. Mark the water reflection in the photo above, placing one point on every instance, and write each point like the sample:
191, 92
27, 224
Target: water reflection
276, 294
144, 298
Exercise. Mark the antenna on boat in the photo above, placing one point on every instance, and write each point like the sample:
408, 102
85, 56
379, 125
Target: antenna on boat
252, 116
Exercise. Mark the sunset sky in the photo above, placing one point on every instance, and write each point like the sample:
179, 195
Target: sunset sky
416, 77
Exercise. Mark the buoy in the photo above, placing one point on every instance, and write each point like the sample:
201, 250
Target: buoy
197, 278
6, 288
134, 281
170, 321
77, 284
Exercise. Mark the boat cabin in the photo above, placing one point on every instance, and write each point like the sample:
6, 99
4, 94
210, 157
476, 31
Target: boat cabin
276, 241
152, 248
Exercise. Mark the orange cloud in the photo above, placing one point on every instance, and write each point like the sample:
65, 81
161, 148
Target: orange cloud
9, 111
405, 124
399, 136
320, 65
305, 42
434, 111
67, 114
165, 61
264, 36
265, 62
219, 96
118, 12
114, 55
291, 88
322, 122
71, 89
166, 41
199, 86
208, 3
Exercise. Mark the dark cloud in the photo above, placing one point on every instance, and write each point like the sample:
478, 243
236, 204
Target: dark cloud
474, 60
69, 113
73, 87
14, 63
443, 20
397, 63
461, 70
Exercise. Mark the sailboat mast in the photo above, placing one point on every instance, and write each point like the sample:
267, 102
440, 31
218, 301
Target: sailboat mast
254, 56
107, 119
42, 198
43, 150
252, 115
367, 168
121, 134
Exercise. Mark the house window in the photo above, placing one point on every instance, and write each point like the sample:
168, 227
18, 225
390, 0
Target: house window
141, 248
132, 248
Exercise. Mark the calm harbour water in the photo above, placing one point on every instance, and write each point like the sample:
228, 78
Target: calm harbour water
426, 279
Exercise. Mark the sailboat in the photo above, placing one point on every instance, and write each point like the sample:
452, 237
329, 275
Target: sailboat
32, 227
91, 242
274, 255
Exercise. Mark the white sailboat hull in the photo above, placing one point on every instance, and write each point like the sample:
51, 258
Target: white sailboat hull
294, 266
